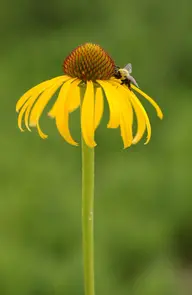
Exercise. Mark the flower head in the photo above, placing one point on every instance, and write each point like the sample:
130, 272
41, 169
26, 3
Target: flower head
88, 69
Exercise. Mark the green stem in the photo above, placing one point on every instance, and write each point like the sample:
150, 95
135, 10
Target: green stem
87, 216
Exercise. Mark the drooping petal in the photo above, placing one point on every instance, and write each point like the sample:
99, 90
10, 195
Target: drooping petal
74, 96
30, 99
125, 93
25, 110
52, 113
99, 106
112, 98
20, 116
142, 120
154, 104
87, 115
141, 123
39, 88
126, 130
29, 104
43, 101
126, 121
142, 117
41, 134
61, 112
126, 113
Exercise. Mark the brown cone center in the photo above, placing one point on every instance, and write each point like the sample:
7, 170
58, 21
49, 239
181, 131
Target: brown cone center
89, 62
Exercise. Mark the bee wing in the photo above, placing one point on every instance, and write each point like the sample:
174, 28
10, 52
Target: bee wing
128, 67
133, 81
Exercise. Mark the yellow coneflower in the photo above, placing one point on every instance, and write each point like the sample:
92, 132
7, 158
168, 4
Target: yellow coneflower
90, 67
89, 77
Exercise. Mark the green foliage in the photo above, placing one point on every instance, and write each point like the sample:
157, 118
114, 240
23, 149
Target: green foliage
143, 198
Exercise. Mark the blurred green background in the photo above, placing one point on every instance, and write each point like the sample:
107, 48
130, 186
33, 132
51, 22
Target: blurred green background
143, 201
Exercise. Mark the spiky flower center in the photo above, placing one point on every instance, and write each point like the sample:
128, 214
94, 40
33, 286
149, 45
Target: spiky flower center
89, 62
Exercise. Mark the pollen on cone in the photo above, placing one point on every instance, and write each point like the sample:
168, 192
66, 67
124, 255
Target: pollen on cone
89, 62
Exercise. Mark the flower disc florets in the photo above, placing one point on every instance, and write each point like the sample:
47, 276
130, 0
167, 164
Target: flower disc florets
89, 62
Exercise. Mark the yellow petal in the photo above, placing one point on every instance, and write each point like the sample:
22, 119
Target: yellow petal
62, 112
43, 101
154, 104
26, 110
87, 115
41, 134
112, 98
141, 124
126, 121
126, 130
74, 96
126, 114
125, 93
29, 104
142, 120
117, 81
39, 88
142, 117
52, 113
99, 106
20, 116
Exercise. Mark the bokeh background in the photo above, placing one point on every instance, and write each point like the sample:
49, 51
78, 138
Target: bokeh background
143, 201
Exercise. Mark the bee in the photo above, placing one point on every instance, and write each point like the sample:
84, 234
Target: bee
124, 75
